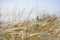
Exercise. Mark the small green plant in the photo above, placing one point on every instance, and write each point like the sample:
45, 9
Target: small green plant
17, 37
7, 36
37, 18
36, 27
27, 38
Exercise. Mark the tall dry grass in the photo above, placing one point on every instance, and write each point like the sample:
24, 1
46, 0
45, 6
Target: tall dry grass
46, 28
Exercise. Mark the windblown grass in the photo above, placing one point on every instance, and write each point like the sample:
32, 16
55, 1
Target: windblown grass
47, 28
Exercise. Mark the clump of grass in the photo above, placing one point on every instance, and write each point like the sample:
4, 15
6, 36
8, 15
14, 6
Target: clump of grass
41, 29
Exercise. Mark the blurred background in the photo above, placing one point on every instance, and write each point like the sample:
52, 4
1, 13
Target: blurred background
22, 9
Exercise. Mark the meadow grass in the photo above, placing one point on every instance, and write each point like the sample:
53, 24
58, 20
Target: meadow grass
47, 28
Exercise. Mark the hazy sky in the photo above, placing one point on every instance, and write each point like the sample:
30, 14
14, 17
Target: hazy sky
19, 5
43, 4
